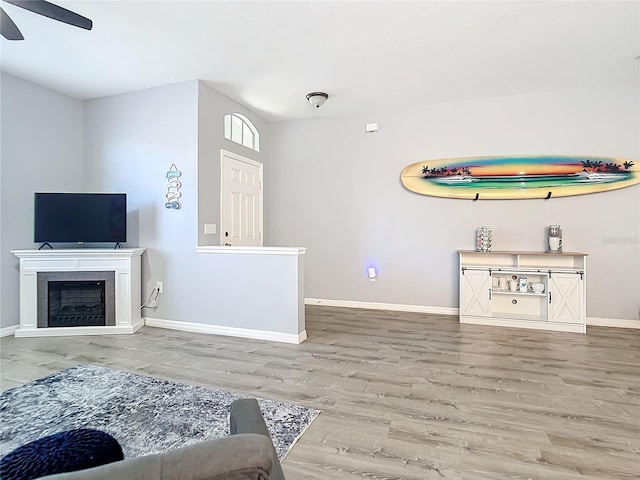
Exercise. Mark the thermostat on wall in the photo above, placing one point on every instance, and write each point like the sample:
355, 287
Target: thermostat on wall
371, 127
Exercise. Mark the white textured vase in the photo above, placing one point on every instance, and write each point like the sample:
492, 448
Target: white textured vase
484, 237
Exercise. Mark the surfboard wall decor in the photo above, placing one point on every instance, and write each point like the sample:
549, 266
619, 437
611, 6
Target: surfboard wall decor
519, 177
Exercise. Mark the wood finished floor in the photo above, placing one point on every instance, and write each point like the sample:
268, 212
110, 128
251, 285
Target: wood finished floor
404, 395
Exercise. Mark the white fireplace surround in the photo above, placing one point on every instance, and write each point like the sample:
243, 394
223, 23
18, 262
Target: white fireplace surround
124, 262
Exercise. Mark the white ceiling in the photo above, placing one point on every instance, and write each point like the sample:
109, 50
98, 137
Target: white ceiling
368, 55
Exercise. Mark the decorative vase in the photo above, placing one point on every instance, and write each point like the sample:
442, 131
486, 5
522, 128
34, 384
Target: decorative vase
484, 237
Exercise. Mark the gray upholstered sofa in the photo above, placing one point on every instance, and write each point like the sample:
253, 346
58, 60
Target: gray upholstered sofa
246, 454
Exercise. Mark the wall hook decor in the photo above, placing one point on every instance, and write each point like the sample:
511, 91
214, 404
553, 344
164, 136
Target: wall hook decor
173, 188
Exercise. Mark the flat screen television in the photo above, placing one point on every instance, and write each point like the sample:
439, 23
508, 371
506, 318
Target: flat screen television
80, 217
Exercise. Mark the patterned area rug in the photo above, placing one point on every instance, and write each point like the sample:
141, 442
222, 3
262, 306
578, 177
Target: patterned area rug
146, 415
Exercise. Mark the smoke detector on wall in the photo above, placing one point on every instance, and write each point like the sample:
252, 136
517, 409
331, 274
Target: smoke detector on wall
317, 99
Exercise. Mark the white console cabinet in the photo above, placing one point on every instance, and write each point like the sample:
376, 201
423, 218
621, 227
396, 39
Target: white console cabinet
487, 299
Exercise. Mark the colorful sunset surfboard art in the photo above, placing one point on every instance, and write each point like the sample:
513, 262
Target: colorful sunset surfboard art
519, 177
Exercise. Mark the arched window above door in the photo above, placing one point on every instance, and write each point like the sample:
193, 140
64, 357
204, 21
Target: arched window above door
240, 130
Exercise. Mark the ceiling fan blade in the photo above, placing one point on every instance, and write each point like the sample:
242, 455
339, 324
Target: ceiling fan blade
48, 9
8, 29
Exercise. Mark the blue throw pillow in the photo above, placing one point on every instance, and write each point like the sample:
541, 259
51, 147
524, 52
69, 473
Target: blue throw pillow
59, 453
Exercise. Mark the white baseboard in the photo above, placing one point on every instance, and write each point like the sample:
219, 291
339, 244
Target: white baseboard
6, 331
612, 322
396, 307
226, 331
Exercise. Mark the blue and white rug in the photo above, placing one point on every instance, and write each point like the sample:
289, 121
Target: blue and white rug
146, 415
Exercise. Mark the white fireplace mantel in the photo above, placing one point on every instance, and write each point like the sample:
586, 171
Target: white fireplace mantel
124, 262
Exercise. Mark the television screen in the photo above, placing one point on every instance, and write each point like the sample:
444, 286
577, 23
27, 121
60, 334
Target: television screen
80, 217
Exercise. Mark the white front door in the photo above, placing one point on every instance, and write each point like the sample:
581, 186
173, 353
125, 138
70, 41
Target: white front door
241, 201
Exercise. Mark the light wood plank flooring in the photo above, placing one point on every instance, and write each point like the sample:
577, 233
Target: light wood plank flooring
404, 395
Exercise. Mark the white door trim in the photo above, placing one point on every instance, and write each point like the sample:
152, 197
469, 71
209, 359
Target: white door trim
240, 158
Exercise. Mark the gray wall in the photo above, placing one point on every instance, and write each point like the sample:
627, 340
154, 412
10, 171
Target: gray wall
337, 191
131, 142
42, 150
212, 107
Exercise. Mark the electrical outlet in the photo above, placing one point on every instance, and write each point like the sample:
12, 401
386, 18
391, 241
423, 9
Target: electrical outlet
159, 286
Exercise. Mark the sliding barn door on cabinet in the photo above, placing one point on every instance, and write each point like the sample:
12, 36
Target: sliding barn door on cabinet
474, 292
565, 298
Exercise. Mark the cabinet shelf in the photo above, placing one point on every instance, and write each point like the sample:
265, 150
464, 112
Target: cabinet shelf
525, 259
524, 294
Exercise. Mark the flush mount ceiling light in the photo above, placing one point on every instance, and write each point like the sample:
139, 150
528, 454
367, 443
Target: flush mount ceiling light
317, 98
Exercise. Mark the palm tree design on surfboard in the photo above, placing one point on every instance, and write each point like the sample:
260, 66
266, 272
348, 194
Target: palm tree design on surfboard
518, 177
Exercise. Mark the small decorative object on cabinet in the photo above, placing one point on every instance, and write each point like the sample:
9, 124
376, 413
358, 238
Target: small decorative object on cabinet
555, 239
550, 291
484, 239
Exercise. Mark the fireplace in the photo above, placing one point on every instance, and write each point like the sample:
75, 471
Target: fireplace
119, 269
76, 299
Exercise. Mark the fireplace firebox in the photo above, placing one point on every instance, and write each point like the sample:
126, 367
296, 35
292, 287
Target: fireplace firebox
76, 304
76, 299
